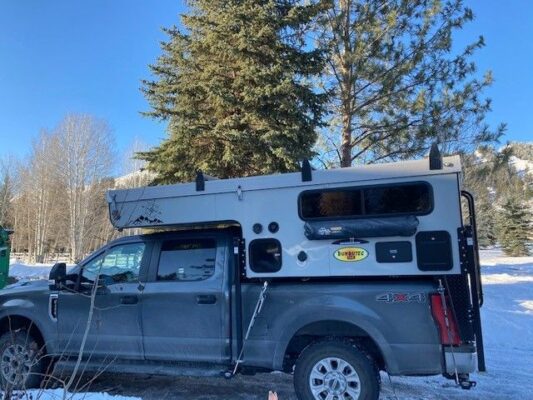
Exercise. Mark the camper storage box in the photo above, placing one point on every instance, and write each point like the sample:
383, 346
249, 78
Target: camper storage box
395, 219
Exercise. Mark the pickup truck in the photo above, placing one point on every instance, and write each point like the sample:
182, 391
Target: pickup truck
179, 303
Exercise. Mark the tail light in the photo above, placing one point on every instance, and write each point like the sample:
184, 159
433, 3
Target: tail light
447, 336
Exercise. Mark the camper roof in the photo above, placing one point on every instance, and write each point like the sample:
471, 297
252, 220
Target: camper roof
359, 173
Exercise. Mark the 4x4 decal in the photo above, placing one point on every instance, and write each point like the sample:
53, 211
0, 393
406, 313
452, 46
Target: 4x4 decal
402, 297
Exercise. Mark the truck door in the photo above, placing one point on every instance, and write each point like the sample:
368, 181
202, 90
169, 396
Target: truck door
185, 308
115, 330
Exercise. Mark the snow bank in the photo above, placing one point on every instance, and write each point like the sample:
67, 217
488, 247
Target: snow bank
29, 272
495, 257
57, 394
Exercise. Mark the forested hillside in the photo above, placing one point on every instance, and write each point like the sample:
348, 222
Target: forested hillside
502, 182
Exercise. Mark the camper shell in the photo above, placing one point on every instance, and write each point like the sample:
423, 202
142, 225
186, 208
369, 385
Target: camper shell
395, 219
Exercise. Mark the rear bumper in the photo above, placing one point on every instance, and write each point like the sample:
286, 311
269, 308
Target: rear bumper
462, 359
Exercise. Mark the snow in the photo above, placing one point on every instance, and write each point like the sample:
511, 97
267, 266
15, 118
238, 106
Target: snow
57, 394
521, 166
29, 271
507, 317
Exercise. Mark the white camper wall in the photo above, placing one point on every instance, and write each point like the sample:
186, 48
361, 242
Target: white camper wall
321, 261
274, 198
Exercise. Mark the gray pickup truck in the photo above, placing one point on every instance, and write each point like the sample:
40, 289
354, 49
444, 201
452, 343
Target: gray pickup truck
331, 275
177, 303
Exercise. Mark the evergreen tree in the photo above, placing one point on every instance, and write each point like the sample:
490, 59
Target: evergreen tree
492, 177
514, 227
397, 82
486, 226
235, 89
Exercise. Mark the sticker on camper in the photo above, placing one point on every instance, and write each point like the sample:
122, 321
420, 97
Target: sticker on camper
350, 254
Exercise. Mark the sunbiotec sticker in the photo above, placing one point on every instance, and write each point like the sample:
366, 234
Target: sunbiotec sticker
350, 254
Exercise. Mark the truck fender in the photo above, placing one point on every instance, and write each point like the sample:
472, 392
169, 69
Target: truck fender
334, 309
23, 308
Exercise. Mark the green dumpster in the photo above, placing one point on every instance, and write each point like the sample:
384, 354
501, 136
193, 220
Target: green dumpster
4, 255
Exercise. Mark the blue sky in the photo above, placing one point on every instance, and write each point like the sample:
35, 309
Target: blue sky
66, 56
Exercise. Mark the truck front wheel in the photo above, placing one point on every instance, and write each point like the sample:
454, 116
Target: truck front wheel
21, 361
335, 370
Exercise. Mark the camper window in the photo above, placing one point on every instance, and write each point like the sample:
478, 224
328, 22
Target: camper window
265, 255
370, 201
187, 260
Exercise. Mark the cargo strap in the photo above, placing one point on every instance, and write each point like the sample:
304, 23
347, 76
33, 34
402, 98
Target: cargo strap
257, 311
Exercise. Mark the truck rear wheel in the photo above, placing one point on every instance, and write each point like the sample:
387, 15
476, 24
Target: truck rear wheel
335, 370
21, 362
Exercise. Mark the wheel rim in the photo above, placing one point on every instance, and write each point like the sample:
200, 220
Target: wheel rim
16, 364
333, 378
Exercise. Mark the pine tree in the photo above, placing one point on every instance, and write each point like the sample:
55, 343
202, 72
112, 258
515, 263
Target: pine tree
235, 89
491, 176
486, 226
397, 82
514, 227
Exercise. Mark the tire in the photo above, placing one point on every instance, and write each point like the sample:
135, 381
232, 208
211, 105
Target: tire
341, 371
21, 361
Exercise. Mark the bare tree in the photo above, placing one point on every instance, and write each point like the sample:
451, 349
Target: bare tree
36, 198
7, 182
86, 148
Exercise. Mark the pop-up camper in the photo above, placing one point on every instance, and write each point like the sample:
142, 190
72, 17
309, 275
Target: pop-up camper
396, 219
398, 225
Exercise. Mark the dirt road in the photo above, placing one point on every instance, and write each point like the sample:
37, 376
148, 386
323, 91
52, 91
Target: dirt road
184, 388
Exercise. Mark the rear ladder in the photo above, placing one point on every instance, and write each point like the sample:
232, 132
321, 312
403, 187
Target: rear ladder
465, 290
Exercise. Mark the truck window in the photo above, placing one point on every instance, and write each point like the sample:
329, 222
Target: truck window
371, 201
120, 265
187, 260
265, 255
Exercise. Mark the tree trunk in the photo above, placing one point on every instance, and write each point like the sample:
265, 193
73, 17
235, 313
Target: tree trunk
346, 76
346, 144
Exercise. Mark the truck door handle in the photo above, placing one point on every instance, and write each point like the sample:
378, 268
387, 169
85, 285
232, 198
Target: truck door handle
206, 299
129, 300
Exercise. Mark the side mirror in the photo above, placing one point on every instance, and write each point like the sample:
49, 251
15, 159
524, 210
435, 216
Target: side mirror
58, 273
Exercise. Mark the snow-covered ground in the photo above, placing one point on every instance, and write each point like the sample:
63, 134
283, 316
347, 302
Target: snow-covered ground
508, 332
507, 317
23, 271
57, 394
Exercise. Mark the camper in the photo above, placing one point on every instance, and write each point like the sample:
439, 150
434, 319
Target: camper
331, 275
